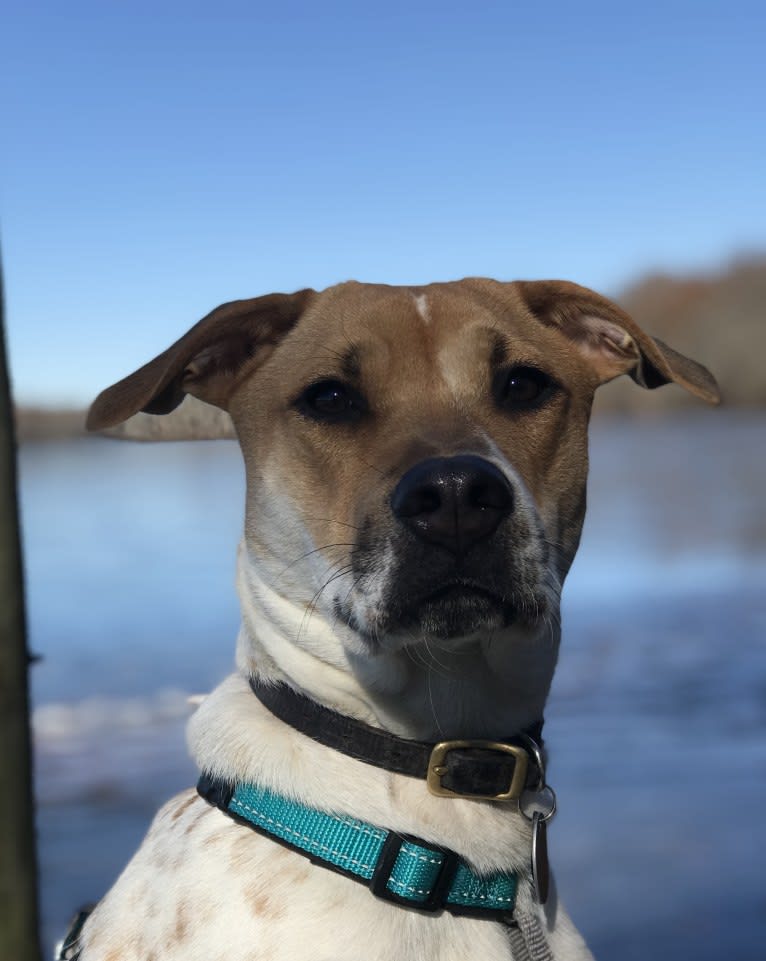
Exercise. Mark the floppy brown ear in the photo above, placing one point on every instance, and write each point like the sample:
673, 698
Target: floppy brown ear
207, 362
611, 341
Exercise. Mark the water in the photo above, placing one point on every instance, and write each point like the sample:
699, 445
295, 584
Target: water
656, 720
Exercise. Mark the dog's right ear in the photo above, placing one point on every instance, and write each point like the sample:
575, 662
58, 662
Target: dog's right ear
207, 362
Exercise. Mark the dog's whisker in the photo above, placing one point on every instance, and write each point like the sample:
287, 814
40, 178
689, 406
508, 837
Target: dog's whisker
445, 671
315, 550
354, 583
311, 606
372, 467
332, 520
432, 704
436, 667
333, 353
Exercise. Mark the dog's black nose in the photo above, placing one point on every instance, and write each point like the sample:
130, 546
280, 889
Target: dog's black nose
453, 501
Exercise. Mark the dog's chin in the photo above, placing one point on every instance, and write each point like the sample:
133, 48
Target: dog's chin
456, 614
456, 611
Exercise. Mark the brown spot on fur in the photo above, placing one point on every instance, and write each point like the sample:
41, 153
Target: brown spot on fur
194, 821
213, 840
265, 906
297, 872
183, 807
181, 928
261, 904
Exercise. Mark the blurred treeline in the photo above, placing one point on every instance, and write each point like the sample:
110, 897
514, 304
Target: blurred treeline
718, 319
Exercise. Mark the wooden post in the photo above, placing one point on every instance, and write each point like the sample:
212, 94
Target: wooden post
19, 920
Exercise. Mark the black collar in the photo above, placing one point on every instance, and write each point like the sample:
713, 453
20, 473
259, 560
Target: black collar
494, 770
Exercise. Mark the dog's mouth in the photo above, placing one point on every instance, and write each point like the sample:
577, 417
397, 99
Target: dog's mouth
460, 607
405, 589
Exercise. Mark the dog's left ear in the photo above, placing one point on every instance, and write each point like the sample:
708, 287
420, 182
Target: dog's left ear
612, 342
207, 362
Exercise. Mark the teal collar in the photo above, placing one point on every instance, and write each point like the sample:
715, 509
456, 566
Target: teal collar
405, 870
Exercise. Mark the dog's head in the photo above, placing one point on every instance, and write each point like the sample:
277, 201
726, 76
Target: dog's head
416, 457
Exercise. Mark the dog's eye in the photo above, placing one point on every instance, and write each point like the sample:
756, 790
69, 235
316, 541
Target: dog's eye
522, 388
331, 400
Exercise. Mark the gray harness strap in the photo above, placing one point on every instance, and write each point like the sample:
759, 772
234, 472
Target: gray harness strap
528, 941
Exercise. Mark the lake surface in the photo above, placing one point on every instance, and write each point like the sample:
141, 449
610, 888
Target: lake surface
656, 720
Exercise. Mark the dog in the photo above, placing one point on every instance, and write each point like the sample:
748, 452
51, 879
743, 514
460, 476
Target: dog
416, 463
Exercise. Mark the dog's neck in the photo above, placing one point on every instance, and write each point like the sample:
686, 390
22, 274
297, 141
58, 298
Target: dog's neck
488, 687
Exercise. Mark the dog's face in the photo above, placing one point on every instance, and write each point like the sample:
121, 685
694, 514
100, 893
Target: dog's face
427, 451
416, 457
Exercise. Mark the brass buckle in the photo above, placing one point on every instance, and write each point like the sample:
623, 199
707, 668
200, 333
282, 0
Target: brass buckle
437, 769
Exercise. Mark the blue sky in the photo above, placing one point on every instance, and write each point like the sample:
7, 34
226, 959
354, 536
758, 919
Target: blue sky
161, 158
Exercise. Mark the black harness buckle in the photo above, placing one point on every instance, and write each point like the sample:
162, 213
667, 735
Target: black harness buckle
437, 897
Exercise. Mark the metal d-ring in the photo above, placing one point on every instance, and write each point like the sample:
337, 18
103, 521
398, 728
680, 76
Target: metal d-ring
537, 754
542, 788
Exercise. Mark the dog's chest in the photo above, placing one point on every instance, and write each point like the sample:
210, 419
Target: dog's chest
219, 890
